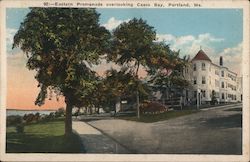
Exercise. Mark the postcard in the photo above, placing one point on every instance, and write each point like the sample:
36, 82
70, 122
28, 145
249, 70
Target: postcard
124, 80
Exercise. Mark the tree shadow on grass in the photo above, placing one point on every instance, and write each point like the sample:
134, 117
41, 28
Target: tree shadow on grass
30, 143
231, 121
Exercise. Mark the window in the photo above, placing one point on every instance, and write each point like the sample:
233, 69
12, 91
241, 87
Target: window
203, 80
195, 80
232, 77
194, 67
222, 96
231, 86
203, 66
222, 84
210, 80
222, 73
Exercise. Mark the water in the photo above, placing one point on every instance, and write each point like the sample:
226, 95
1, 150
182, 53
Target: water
23, 112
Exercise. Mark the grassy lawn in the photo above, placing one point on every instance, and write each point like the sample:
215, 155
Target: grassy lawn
46, 137
150, 118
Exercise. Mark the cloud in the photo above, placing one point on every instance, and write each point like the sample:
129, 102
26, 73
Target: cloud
165, 37
189, 44
10, 32
113, 23
232, 58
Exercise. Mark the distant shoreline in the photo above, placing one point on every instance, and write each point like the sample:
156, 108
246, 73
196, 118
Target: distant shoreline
13, 112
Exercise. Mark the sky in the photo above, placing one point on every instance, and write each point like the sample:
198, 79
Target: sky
219, 32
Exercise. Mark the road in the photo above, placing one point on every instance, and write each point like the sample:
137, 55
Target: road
211, 131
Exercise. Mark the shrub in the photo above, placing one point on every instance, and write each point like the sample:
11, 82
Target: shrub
28, 118
52, 115
153, 107
14, 120
49, 117
60, 112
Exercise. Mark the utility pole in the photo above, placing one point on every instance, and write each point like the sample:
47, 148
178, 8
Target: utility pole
198, 98
138, 104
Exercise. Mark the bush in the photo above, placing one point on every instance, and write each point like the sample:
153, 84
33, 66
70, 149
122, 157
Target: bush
20, 128
31, 118
14, 120
60, 112
153, 107
49, 117
28, 118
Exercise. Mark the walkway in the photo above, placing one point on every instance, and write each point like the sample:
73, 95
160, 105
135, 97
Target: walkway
95, 141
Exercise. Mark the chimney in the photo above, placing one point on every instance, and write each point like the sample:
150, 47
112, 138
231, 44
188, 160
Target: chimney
221, 61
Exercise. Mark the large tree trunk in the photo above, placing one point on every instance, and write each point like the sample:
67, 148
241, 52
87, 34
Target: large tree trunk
68, 119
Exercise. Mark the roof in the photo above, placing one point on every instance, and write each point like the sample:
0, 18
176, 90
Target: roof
201, 55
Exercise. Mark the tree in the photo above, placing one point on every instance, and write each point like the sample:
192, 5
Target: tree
132, 46
61, 44
166, 68
120, 84
117, 84
100, 98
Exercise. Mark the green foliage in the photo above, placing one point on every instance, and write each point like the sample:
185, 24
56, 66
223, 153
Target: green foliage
116, 84
61, 45
122, 83
13, 120
132, 44
60, 112
166, 67
30, 118
131, 48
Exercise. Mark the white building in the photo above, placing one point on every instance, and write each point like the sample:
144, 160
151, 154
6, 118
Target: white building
205, 77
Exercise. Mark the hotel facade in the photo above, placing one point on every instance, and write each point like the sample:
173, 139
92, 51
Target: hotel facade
205, 77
